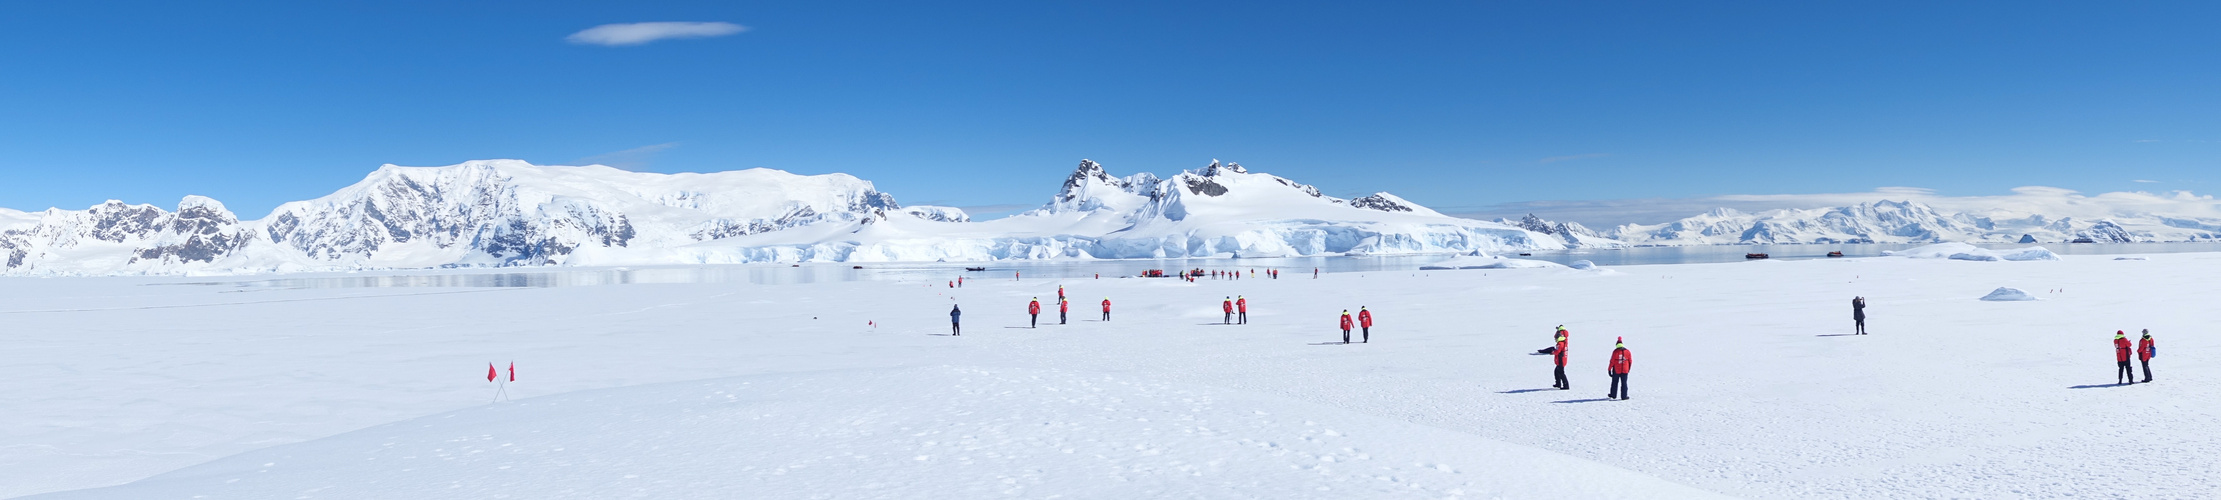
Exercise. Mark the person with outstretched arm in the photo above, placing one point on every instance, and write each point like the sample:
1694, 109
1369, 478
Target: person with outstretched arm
1622, 361
1365, 321
2145, 349
1034, 309
1858, 315
956, 323
1559, 337
1345, 326
1241, 307
1559, 356
2121, 348
1106, 308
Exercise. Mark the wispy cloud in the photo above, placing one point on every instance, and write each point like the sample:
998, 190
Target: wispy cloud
623, 34
1555, 159
2146, 181
2057, 202
635, 159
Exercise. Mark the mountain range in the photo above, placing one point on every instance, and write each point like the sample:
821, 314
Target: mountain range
1886, 222
496, 213
493, 213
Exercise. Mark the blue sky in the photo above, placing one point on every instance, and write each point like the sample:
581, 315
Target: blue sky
1458, 105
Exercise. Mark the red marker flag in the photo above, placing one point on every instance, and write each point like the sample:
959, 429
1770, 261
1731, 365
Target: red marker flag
490, 372
512, 371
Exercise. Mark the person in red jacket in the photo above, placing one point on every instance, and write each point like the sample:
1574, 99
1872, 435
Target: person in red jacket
1365, 321
1562, 383
1345, 326
2145, 349
1034, 309
1228, 306
2127, 375
1064, 307
1622, 361
1106, 308
1241, 307
1060, 292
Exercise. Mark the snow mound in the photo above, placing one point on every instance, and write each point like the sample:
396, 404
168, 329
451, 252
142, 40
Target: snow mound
1582, 264
938, 432
2131, 258
1962, 251
1490, 262
2008, 294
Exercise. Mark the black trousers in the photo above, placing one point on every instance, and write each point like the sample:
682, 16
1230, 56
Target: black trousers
1060, 317
2127, 373
1035, 322
2147, 370
1245, 317
956, 329
1229, 318
1562, 383
1345, 335
1368, 335
1619, 385
1861, 325
1106, 315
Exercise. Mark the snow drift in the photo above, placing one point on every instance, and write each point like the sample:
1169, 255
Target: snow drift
2008, 294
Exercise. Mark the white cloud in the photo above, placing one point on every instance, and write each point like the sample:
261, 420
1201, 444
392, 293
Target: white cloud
2147, 181
622, 34
2051, 201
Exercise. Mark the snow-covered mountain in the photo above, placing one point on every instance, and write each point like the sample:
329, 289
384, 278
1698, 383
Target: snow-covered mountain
1903, 222
1220, 210
508, 213
479, 213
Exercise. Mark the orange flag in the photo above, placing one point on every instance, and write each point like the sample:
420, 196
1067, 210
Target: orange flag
491, 372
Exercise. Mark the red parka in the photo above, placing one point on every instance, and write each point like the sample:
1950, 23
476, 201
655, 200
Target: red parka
1561, 350
2144, 349
1365, 318
1034, 307
1228, 306
1064, 306
1243, 305
1622, 361
2120, 349
1106, 305
1345, 321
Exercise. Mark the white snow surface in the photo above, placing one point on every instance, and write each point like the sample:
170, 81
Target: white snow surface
2008, 294
493, 213
1492, 262
137, 387
1963, 251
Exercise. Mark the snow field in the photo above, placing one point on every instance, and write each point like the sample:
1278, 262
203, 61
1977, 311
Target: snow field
1745, 383
944, 432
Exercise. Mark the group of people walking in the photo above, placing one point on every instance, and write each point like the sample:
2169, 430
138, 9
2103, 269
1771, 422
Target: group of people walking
2145, 349
1622, 361
1364, 321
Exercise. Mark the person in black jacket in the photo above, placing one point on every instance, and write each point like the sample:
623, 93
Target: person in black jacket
1858, 314
956, 326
